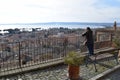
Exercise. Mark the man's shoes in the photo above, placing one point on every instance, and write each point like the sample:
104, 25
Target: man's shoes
91, 54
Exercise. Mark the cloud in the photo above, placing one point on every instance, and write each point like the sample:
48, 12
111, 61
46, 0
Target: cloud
22, 11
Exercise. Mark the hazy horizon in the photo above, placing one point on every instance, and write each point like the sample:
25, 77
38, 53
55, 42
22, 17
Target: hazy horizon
59, 22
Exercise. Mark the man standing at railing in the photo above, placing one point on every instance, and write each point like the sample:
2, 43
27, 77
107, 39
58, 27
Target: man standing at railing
89, 42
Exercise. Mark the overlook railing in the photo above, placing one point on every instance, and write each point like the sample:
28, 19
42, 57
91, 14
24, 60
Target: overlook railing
16, 55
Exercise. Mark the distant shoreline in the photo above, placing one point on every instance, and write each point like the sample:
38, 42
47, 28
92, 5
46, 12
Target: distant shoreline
48, 25
58, 23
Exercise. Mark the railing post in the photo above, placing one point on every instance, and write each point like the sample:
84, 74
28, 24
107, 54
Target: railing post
111, 36
19, 55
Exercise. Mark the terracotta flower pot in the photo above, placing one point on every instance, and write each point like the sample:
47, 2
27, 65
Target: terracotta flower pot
73, 72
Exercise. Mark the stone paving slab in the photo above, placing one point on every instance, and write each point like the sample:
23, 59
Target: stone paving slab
109, 74
113, 74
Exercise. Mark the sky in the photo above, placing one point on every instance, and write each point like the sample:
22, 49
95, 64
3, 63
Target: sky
38, 11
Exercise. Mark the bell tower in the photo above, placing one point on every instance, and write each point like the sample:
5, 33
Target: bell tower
115, 26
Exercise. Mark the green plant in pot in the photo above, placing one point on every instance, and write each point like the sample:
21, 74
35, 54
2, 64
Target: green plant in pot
74, 60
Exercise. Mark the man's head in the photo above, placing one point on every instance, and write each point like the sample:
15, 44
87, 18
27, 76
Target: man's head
88, 29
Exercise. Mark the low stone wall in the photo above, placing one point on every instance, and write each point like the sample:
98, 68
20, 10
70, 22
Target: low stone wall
97, 45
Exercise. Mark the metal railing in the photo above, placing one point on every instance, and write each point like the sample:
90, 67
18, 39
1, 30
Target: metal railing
15, 55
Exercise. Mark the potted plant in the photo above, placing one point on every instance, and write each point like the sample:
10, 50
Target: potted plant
74, 60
